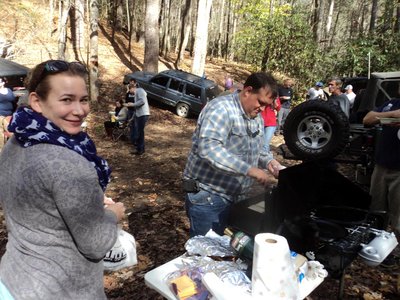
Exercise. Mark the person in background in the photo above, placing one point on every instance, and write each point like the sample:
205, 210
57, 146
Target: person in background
385, 181
285, 96
130, 97
141, 116
228, 82
7, 102
317, 92
350, 94
269, 117
337, 97
235, 87
227, 154
52, 192
118, 116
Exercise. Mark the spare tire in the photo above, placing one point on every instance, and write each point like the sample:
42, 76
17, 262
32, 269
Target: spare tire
316, 129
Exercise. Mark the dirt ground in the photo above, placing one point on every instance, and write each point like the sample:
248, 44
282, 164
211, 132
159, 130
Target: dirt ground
150, 185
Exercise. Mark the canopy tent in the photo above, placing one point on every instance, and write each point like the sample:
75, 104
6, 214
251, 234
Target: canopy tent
10, 68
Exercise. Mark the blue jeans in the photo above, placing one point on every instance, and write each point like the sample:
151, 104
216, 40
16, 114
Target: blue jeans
138, 132
282, 114
268, 134
206, 211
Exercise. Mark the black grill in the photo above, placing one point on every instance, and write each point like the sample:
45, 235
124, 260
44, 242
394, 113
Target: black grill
318, 210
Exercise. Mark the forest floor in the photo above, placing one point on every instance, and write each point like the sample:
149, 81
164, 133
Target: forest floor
150, 185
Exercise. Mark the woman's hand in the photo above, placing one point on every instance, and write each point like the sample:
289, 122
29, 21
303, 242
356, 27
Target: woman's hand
107, 201
117, 208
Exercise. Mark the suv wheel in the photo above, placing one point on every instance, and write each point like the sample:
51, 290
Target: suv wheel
316, 129
182, 110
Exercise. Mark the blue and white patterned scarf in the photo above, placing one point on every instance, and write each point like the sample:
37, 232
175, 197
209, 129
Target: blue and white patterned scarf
31, 128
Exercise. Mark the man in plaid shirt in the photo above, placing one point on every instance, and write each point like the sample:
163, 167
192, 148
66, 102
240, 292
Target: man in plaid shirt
227, 154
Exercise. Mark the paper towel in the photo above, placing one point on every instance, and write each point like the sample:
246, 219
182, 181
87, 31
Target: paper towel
274, 275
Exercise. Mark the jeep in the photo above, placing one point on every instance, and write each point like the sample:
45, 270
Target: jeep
187, 92
317, 129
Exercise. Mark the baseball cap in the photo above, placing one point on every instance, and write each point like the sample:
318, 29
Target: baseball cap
319, 83
348, 87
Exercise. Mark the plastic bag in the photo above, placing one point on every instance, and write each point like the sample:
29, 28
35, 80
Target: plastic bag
122, 254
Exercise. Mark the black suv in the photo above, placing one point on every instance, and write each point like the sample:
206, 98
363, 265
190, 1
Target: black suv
319, 129
187, 92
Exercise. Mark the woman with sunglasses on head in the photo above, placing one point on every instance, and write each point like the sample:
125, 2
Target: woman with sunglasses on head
7, 100
53, 192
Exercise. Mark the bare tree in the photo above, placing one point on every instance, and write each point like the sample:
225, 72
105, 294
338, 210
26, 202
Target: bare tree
221, 28
151, 47
317, 19
397, 28
94, 58
200, 45
78, 28
185, 30
51, 16
374, 11
62, 27
165, 42
330, 17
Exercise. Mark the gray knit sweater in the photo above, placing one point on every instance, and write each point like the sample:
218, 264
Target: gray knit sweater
58, 229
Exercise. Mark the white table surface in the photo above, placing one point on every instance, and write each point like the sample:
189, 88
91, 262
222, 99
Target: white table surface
155, 279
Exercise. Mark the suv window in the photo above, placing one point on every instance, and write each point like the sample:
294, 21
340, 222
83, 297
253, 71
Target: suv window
176, 85
193, 90
161, 80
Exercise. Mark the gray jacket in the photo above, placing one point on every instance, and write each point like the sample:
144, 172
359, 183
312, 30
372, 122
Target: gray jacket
141, 104
58, 229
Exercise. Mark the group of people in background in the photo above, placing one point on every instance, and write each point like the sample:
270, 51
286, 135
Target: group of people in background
335, 94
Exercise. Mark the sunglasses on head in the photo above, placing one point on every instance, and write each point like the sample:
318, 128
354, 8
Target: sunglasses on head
59, 66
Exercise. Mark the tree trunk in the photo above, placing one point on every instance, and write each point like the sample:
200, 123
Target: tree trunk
94, 58
228, 28
397, 28
165, 44
185, 30
221, 28
151, 48
78, 29
200, 44
62, 28
374, 11
330, 17
233, 34
51, 16
317, 19
194, 25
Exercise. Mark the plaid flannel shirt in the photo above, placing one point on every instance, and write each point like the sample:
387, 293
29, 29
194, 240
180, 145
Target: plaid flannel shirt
225, 144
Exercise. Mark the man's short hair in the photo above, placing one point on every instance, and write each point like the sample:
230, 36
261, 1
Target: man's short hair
337, 81
262, 80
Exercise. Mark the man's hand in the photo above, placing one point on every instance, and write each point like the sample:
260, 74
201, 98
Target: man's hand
258, 174
274, 167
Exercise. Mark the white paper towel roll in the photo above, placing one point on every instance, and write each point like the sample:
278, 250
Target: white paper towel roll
274, 275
